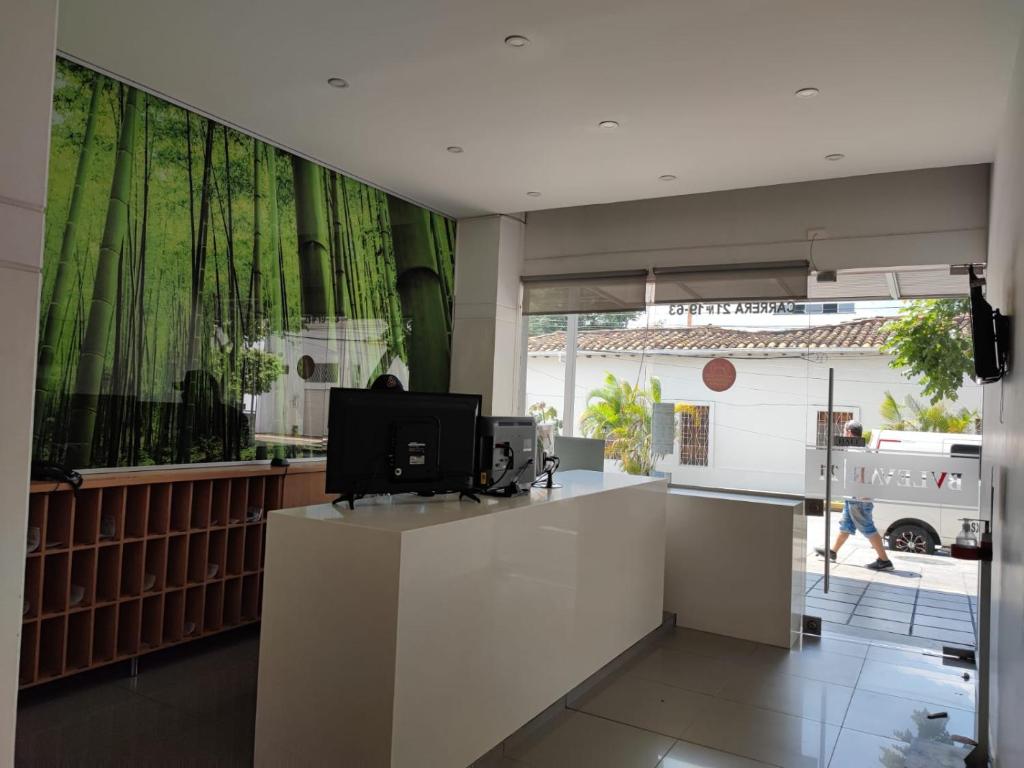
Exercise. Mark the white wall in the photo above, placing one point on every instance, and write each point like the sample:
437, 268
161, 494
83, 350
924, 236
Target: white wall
932, 216
28, 38
762, 425
1004, 438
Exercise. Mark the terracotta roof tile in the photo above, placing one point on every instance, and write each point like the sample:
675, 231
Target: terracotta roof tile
866, 333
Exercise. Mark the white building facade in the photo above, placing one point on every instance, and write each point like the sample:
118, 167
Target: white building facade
752, 435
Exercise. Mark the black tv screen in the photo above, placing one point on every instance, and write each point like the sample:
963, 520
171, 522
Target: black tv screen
382, 441
989, 335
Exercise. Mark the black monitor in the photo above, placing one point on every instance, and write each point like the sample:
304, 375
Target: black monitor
990, 335
400, 442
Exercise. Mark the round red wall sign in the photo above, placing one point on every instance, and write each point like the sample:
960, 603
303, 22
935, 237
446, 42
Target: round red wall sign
719, 374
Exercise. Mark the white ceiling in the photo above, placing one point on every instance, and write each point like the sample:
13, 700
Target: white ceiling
703, 89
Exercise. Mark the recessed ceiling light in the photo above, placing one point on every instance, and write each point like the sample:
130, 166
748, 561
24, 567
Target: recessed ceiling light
337, 82
835, 156
807, 93
517, 41
666, 177
608, 124
533, 194
454, 150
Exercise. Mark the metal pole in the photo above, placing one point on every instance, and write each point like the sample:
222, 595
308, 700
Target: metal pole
828, 478
524, 364
569, 401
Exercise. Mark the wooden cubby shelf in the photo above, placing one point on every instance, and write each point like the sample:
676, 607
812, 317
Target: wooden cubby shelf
135, 561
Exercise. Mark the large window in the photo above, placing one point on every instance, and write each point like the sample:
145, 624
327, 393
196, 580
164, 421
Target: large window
725, 394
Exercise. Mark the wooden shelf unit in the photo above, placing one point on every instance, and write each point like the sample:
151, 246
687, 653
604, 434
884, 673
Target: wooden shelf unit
140, 560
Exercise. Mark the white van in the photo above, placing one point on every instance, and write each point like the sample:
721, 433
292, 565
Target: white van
918, 527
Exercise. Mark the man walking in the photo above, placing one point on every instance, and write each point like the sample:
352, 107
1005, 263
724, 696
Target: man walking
857, 516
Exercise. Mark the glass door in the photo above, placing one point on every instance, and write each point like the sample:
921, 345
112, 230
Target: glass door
904, 474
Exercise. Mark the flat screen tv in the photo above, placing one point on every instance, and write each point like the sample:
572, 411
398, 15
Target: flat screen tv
381, 441
990, 333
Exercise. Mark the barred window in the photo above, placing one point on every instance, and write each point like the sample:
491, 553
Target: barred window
839, 419
324, 373
694, 431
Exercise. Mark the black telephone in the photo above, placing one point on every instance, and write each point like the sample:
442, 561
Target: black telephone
47, 472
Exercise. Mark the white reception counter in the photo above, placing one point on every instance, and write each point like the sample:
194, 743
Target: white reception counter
423, 632
755, 545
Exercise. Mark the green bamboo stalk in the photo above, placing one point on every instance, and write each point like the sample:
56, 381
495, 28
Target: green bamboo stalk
394, 317
317, 297
232, 435
257, 241
139, 302
367, 286
187, 418
443, 250
279, 308
93, 356
349, 303
277, 342
419, 287
314, 252
337, 253
256, 328
48, 373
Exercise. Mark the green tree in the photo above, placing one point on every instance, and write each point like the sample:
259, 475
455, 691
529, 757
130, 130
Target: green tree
912, 416
621, 414
928, 343
256, 374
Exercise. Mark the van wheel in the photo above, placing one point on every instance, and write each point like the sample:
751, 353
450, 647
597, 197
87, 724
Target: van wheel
912, 538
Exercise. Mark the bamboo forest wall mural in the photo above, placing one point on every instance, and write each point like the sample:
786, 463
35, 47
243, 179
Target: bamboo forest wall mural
202, 290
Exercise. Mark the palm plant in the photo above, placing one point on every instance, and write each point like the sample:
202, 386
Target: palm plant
621, 414
893, 415
545, 414
912, 416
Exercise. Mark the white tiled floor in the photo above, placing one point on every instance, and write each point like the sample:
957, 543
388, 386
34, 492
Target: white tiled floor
695, 700
583, 740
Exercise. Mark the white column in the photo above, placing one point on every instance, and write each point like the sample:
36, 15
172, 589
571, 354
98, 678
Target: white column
486, 338
28, 40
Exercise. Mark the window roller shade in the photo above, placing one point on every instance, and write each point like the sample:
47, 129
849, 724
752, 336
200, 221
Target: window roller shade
576, 294
731, 282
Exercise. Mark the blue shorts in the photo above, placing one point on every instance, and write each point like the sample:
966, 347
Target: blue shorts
857, 517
